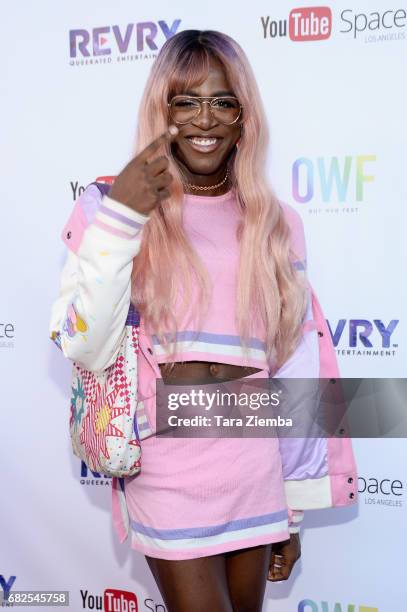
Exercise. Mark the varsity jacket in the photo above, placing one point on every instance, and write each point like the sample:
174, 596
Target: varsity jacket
88, 323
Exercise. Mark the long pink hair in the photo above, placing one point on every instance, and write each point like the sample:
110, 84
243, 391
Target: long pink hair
268, 285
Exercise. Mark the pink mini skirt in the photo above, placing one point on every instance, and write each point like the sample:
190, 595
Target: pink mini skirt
196, 497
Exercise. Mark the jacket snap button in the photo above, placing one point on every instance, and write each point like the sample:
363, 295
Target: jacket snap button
320, 334
69, 234
351, 495
341, 430
350, 480
150, 351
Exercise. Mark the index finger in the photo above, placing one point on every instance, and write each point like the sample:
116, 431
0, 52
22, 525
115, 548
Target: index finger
166, 136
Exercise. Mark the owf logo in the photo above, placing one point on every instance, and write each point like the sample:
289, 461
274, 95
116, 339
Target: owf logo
308, 605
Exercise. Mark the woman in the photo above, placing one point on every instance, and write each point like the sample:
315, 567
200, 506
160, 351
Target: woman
206, 254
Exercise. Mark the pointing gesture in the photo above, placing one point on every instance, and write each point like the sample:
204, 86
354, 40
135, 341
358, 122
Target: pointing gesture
142, 184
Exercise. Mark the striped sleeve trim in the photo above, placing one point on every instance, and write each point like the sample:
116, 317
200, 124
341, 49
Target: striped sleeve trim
119, 219
295, 521
300, 266
309, 323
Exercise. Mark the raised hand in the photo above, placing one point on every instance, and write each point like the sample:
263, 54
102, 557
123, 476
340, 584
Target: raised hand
142, 184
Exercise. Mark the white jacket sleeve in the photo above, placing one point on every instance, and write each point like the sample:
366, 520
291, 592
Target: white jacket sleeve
88, 317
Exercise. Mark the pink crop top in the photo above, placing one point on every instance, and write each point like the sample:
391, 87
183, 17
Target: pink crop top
210, 223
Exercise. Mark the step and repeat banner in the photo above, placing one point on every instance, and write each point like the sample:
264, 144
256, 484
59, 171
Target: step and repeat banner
332, 79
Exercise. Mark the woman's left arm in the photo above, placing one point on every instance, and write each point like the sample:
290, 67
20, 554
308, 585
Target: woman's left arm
303, 363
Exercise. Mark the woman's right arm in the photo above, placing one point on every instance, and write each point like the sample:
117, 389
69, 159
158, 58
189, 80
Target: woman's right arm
103, 235
88, 317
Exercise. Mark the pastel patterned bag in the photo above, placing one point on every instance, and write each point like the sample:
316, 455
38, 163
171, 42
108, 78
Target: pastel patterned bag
103, 423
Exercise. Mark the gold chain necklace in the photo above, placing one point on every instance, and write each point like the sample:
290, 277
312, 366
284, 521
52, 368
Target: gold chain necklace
206, 188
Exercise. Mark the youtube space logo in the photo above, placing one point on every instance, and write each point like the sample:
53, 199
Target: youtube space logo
310, 23
121, 601
302, 24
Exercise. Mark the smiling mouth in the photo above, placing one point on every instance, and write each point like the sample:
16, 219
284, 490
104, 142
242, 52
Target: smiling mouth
204, 144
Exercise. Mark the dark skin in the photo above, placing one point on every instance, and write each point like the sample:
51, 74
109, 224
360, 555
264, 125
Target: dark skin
235, 580
206, 169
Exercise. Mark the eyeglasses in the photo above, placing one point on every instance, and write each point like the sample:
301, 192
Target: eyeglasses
225, 109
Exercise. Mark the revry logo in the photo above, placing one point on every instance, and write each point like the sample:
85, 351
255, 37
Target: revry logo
95, 478
361, 329
6, 585
100, 41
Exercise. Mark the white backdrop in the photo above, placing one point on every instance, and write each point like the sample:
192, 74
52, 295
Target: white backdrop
336, 109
